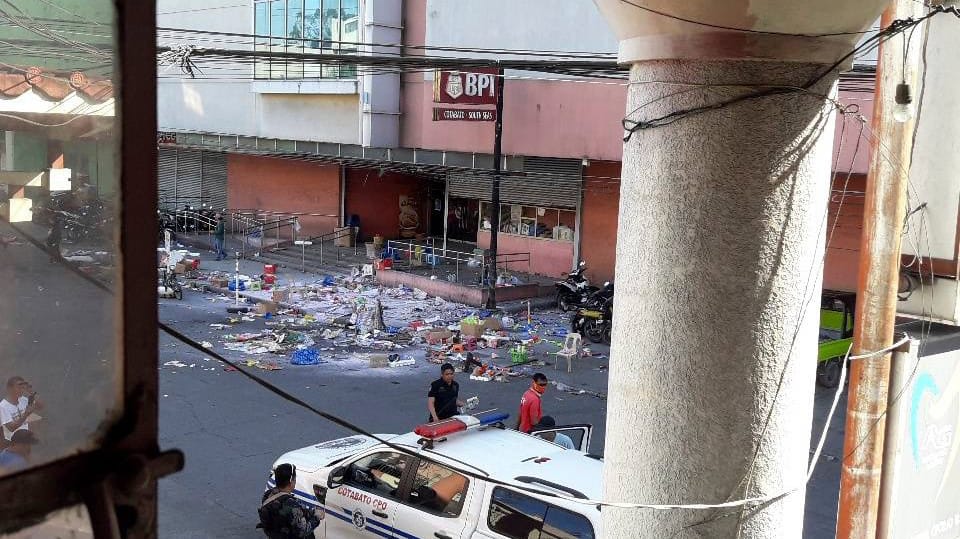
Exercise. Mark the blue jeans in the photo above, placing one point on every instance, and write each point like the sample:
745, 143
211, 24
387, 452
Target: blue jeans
218, 248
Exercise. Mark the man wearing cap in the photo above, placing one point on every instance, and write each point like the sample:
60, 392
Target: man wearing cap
559, 438
17, 455
281, 515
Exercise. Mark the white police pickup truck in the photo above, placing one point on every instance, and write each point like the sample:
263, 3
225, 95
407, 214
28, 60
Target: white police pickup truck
363, 488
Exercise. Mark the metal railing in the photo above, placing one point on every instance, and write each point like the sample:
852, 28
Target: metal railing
427, 253
333, 236
505, 259
252, 224
174, 203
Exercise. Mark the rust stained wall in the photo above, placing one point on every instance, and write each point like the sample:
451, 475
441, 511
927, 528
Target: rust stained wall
601, 206
285, 185
843, 254
376, 200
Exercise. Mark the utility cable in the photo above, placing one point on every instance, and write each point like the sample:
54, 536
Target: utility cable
735, 28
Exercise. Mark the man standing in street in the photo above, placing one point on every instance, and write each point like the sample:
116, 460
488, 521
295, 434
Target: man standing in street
530, 409
218, 238
442, 400
54, 237
15, 409
281, 515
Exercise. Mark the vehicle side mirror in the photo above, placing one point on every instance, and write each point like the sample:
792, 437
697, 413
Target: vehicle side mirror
337, 477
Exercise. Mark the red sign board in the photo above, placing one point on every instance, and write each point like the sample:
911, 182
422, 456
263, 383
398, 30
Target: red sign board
464, 115
474, 87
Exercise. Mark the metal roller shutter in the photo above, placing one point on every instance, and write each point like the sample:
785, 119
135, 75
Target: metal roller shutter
214, 179
189, 177
470, 186
167, 178
546, 182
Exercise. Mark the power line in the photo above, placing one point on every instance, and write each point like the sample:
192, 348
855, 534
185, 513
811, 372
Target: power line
735, 28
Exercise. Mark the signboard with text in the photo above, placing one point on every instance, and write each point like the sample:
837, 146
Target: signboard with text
474, 87
926, 475
463, 115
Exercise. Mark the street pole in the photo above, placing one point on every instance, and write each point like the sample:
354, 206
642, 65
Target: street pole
884, 210
495, 194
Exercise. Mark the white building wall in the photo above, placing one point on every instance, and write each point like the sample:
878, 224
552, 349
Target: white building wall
567, 25
223, 98
936, 155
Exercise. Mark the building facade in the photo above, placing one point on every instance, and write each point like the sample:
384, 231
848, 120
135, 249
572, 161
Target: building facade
335, 141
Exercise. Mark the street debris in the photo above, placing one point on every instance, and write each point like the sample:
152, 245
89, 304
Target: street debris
353, 322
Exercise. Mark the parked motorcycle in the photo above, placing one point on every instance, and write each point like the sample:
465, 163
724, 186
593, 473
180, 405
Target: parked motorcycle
573, 291
595, 319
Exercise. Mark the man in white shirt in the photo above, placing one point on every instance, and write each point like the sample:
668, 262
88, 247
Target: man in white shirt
15, 410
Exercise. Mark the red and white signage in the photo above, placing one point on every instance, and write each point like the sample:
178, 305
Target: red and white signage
464, 115
474, 87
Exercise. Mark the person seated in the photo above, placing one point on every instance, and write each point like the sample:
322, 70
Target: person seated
547, 422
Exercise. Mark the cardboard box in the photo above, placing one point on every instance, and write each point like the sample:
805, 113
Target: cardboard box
347, 239
180, 268
493, 324
435, 336
220, 282
267, 307
471, 330
281, 296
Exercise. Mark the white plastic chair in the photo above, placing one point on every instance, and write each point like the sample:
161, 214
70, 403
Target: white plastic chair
570, 350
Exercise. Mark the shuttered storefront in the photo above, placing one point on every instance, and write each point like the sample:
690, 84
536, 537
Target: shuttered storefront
192, 177
544, 181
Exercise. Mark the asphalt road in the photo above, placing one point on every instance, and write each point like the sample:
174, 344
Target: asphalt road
232, 430
56, 331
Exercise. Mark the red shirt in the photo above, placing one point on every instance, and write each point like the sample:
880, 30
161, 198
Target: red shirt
530, 410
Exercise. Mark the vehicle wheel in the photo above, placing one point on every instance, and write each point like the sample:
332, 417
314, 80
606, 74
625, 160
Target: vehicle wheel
828, 373
594, 331
608, 334
562, 302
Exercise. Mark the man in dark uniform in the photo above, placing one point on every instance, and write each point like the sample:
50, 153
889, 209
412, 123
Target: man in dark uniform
442, 401
281, 515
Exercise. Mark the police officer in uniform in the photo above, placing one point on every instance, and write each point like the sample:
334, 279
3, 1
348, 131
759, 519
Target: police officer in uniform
281, 515
443, 399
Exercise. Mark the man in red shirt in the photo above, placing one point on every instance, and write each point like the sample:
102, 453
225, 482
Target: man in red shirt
530, 408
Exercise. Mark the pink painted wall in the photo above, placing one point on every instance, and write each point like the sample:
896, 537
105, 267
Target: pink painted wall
542, 118
547, 257
286, 185
864, 101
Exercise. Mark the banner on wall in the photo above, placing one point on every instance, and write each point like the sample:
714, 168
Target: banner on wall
409, 216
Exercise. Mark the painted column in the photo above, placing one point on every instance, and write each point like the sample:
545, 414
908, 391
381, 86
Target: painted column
718, 283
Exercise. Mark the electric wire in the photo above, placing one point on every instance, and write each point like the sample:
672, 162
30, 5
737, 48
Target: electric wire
418, 453
735, 28
896, 27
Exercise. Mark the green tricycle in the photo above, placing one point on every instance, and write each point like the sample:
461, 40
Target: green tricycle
836, 334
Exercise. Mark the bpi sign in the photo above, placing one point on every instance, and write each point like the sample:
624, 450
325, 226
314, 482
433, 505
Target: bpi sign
477, 87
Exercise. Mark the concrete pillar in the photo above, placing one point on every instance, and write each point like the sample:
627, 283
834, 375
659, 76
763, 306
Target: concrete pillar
717, 305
